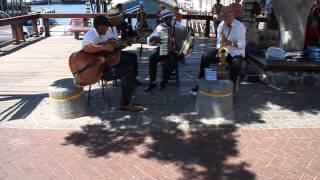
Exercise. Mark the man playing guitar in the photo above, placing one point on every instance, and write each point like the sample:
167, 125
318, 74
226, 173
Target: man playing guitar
91, 44
115, 17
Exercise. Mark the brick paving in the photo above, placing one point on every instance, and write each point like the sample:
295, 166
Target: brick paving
275, 133
96, 153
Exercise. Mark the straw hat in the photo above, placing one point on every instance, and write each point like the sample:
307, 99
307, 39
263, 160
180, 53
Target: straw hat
114, 16
162, 6
165, 13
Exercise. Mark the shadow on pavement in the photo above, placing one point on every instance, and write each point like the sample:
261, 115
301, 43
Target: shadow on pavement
18, 106
199, 154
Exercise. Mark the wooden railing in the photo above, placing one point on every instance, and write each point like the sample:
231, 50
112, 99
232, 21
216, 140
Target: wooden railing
17, 22
17, 25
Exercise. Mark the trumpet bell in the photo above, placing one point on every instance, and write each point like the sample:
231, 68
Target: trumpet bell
222, 54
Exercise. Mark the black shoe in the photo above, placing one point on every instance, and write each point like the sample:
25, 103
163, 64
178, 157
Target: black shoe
137, 82
195, 89
163, 85
150, 87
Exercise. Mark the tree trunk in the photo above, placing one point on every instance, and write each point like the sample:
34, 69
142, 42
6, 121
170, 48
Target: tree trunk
292, 16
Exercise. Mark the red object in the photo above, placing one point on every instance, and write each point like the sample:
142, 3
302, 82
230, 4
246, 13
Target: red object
77, 22
41, 29
312, 36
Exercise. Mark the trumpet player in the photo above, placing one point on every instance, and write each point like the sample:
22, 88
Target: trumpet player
231, 35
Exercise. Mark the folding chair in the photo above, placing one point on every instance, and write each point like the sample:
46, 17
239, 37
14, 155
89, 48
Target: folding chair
104, 85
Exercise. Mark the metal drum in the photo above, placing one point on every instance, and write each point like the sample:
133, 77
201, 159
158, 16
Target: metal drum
215, 99
67, 100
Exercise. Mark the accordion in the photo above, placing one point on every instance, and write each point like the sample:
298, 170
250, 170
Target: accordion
183, 42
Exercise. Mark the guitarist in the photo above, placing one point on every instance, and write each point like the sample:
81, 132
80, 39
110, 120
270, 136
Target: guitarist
90, 44
127, 58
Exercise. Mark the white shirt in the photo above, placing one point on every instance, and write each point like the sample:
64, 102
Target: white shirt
162, 26
112, 32
237, 34
93, 37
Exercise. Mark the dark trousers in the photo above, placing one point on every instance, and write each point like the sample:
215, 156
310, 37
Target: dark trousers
211, 58
168, 65
126, 74
216, 24
129, 59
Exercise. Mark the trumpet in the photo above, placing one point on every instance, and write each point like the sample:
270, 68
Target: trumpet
223, 51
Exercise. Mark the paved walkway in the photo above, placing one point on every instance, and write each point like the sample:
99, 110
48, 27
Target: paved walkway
275, 133
96, 153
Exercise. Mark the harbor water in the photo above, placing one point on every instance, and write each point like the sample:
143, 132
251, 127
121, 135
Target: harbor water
150, 6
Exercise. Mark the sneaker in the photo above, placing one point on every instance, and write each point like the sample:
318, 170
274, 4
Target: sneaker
194, 91
151, 87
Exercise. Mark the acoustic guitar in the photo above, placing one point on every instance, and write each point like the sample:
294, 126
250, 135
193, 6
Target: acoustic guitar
87, 68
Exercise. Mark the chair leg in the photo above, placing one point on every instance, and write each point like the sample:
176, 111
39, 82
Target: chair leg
115, 83
177, 73
89, 93
108, 97
103, 93
140, 53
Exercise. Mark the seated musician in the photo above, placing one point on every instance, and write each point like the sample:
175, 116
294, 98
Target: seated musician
127, 58
168, 61
125, 28
91, 43
142, 18
234, 40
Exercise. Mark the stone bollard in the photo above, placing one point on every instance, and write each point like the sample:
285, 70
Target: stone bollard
66, 100
215, 99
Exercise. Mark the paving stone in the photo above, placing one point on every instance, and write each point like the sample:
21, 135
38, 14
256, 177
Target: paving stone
97, 153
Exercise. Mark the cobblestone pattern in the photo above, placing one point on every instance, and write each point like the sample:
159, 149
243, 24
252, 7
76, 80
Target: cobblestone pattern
96, 153
293, 78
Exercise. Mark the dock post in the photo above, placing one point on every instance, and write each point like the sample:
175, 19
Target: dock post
46, 27
207, 30
20, 32
17, 32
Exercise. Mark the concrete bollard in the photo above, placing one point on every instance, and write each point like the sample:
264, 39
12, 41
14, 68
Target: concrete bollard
66, 100
215, 99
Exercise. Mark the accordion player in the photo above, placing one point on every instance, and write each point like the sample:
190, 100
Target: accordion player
173, 42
